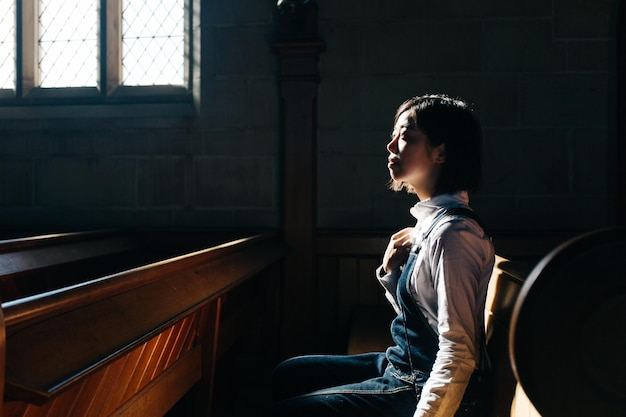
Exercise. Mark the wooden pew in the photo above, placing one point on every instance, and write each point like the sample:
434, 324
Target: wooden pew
504, 287
125, 324
567, 338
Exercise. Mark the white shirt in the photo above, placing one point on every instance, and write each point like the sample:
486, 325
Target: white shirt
449, 283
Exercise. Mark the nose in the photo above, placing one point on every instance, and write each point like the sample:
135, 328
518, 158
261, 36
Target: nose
392, 146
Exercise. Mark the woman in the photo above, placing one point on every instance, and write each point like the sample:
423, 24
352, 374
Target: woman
435, 276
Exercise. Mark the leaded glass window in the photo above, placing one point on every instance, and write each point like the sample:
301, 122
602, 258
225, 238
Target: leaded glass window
153, 42
102, 45
7, 44
68, 43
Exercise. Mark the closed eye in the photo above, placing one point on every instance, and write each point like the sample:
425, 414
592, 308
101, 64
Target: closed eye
401, 131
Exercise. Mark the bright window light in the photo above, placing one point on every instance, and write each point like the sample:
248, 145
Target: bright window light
68, 43
7, 44
153, 42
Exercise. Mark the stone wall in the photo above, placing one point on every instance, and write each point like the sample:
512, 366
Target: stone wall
541, 76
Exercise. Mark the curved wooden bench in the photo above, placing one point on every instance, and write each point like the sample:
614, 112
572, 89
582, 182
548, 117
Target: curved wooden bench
567, 338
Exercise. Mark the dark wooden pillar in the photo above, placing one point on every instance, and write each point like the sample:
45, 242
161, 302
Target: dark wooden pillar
298, 48
621, 115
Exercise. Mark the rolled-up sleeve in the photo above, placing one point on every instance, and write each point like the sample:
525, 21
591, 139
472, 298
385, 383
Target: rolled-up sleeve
389, 283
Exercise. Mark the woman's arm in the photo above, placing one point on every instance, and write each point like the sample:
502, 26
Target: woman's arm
460, 260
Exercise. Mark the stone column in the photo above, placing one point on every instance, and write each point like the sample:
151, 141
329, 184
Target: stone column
298, 47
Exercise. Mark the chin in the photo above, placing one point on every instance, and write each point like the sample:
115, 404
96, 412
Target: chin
395, 175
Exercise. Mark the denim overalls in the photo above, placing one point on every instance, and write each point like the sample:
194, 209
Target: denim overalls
365, 385
416, 342
371, 384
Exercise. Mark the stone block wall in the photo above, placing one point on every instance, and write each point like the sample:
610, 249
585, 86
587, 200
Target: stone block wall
541, 76
210, 164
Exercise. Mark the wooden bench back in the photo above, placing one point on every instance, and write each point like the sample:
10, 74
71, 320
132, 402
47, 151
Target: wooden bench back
504, 287
42, 263
141, 317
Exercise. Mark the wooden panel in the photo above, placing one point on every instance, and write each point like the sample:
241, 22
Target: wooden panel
348, 287
370, 329
347, 261
176, 381
114, 385
346, 244
346, 280
518, 246
249, 307
327, 310
370, 290
122, 381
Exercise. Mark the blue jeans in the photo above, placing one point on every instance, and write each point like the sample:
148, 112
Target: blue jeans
348, 385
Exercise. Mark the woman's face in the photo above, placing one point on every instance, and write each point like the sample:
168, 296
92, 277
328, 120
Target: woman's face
411, 159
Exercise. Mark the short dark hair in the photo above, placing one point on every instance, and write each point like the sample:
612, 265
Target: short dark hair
451, 122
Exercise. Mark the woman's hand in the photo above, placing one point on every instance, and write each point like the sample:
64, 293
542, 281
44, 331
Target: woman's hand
397, 250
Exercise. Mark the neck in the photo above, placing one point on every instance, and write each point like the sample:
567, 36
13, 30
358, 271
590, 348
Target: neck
424, 192
425, 187
423, 196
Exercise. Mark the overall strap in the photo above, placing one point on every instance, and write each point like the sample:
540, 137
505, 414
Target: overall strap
463, 211
454, 211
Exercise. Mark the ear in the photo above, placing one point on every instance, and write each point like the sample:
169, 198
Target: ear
439, 153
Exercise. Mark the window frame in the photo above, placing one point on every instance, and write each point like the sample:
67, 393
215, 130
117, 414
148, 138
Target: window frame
110, 96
